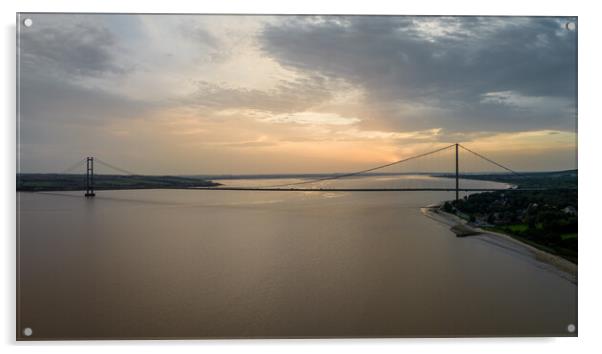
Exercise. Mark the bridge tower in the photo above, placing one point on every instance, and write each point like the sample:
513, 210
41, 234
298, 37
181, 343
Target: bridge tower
457, 174
90, 177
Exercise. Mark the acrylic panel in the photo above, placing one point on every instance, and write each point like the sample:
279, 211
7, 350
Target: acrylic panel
280, 176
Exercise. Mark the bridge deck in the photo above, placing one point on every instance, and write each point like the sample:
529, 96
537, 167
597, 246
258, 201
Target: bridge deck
268, 189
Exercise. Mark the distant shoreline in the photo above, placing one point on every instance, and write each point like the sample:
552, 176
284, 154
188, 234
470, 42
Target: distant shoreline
71, 182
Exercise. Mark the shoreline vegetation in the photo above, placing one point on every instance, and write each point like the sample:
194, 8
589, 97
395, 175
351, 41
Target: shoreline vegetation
542, 222
50, 182
567, 269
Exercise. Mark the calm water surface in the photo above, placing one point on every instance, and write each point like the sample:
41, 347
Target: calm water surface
176, 263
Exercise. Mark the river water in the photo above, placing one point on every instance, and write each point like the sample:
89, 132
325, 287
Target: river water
215, 264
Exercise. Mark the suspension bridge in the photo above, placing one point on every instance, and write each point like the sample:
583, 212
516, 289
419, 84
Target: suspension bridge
314, 184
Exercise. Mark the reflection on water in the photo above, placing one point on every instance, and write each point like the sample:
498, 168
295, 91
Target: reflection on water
176, 263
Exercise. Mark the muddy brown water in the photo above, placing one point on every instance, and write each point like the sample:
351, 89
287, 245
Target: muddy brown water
221, 264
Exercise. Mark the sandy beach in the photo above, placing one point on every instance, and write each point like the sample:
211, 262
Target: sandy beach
540, 258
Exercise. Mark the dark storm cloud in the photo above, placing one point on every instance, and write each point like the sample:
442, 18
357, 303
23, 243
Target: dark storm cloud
445, 66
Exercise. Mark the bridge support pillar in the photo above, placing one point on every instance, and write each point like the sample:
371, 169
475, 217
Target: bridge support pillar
89, 177
457, 175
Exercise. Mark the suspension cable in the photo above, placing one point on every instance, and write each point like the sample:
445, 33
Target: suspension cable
122, 170
489, 160
358, 172
73, 167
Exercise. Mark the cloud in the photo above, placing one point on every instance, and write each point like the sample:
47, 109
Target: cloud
66, 103
60, 121
289, 96
80, 49
424, 72
158, 90
312, 118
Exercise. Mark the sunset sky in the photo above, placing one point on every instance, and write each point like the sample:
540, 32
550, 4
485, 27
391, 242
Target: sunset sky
188, 94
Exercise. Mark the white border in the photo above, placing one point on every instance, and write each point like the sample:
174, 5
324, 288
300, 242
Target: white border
590, 129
